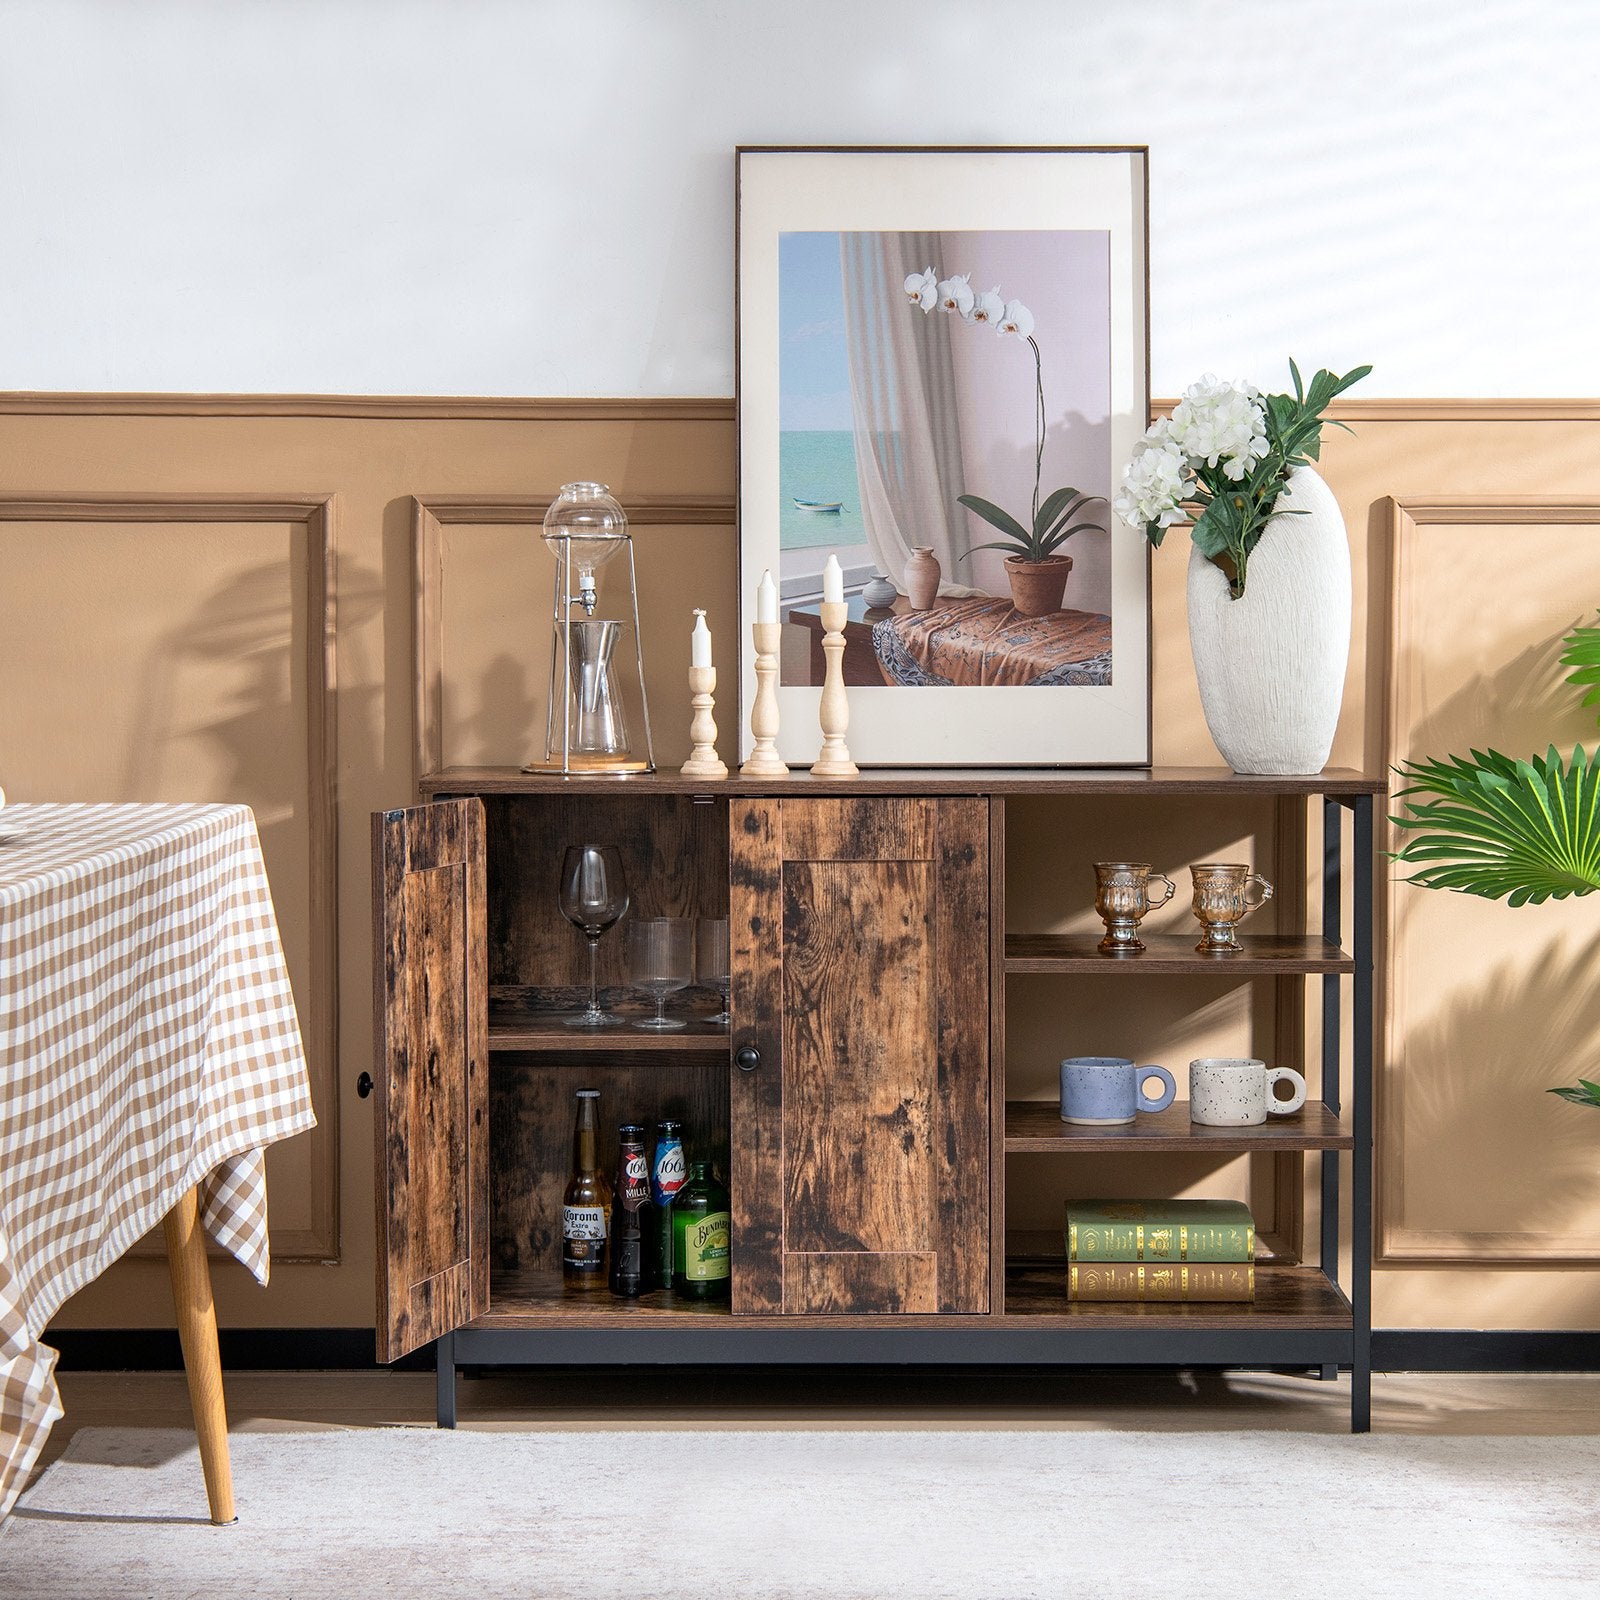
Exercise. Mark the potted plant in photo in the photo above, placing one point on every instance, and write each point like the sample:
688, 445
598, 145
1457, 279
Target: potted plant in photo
1269, 563
1035, 569
1519, 831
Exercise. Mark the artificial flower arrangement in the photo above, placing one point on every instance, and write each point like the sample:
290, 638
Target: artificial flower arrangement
1227, 452
1049, 524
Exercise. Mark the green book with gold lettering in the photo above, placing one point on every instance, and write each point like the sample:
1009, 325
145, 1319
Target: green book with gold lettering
1160, 1230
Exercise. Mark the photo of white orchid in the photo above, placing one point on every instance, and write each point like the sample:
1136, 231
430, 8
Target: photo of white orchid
944, 403
942, 369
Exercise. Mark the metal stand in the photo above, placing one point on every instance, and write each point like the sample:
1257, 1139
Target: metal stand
444, 1356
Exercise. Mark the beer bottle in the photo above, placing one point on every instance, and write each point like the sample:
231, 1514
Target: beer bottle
666, 1179
585, 1203
633, 1216
702, 1235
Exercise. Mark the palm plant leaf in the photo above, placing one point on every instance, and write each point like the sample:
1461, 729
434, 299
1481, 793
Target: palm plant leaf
1521, 831
1583, 655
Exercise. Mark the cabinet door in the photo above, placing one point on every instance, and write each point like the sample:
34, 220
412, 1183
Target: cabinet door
431, 1028
860, 942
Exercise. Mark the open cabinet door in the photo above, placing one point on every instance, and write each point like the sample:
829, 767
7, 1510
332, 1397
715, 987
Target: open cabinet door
431, 1030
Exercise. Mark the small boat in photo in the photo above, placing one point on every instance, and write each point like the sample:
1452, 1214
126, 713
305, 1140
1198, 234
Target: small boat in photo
818, 505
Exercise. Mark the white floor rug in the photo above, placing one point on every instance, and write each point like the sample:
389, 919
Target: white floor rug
769, 1516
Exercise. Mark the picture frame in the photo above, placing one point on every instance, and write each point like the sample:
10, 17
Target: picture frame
865, 414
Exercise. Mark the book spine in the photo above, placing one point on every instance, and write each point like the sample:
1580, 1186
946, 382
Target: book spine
1160, 1241
1129, 1280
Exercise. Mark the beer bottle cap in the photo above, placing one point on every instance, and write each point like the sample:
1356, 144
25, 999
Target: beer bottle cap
628, 1128
588, 1094
667, 1125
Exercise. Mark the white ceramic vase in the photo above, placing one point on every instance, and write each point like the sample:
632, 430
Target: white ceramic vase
1271, 664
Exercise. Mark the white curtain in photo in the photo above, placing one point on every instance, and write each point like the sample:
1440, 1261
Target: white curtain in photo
902, 397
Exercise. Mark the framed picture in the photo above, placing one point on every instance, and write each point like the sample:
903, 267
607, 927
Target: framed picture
942, 366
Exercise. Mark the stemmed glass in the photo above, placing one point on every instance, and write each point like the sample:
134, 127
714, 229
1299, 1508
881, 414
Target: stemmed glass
660, 959
594, 898
711, 961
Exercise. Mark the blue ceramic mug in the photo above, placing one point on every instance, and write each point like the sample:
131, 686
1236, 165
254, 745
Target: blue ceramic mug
1100, 1091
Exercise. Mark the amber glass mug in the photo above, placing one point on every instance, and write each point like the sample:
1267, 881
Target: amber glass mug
1222, 901
1122, 897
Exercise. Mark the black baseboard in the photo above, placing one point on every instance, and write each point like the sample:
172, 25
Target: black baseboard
351, 1349
1484, 1350
243, 1349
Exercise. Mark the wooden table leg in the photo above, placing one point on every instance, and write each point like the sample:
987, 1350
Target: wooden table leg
202, 1361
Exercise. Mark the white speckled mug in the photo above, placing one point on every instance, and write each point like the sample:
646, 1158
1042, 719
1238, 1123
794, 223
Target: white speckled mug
1236, 1092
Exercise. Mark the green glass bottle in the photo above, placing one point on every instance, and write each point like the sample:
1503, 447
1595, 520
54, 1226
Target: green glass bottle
702, 1237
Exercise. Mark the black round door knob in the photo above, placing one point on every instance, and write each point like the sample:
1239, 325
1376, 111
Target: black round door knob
364, 1085
747, 1058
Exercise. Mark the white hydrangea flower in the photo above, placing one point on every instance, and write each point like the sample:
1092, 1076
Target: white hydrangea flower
955, 293
1155, 483
922, 289
1218, 423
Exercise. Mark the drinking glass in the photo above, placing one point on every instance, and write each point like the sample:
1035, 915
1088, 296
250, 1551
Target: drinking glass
711, 961
594, 898
661, 959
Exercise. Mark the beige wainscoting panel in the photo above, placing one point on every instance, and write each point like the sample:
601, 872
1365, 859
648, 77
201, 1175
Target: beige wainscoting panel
484, 622
483, 470
190, 655
1488, 1006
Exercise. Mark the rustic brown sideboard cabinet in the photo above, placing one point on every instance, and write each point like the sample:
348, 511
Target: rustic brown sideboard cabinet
856, 1103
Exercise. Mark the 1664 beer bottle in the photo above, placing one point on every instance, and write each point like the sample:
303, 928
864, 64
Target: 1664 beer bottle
633, 1215
666, 1179
585, 1203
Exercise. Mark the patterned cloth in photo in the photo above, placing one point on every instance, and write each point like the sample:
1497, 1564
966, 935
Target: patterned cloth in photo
986, 641
148, 1044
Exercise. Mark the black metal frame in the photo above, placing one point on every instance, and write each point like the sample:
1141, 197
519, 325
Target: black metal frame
899, 1341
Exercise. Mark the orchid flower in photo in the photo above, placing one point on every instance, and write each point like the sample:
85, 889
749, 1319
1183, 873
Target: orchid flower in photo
989, 306
1017, 319
1050, 523
955, 294
922, 289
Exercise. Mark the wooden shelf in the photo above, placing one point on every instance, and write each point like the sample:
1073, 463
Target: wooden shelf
1035, 1126
1286, 1297
1264, 954
517, 1299
918, 780
522, 1018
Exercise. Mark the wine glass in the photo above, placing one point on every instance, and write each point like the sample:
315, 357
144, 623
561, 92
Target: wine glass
594, 898
711, 961
661, 959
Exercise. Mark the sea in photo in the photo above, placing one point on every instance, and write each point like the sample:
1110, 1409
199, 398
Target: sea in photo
818, 465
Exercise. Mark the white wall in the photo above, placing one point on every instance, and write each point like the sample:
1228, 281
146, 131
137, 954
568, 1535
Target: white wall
506, 196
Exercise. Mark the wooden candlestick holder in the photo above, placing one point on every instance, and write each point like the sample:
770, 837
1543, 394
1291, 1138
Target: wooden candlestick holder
764, 761
703, 762
834, 711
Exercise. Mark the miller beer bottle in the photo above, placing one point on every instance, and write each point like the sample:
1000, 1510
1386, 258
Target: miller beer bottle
666, 1179
585, 1203
633, 1215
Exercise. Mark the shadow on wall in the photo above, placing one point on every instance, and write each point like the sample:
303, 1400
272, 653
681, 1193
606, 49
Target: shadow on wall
1471, 1081
506, 724
1521, 708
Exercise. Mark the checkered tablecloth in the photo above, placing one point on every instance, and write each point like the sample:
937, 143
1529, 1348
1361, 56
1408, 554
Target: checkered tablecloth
148, 1043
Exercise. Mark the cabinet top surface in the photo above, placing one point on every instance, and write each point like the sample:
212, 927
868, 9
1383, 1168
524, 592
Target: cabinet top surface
914, 780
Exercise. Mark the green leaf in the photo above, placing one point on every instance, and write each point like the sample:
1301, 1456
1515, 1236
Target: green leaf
1582, 653
1214, 528
1586, 1094
1075, 506
1294, 372
1520, 831
1003, 520
1055, 505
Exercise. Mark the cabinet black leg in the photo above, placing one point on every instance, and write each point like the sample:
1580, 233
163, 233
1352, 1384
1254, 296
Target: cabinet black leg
444, 1355
1328, 1371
